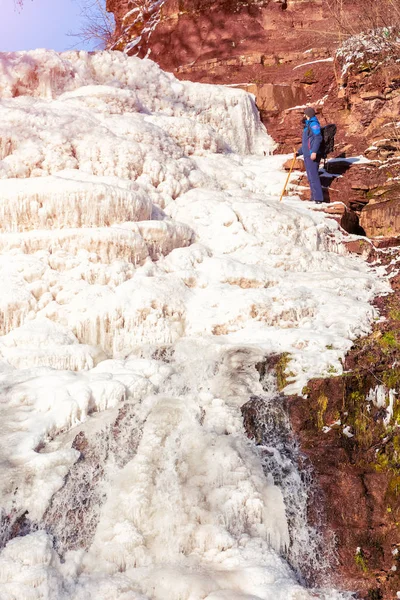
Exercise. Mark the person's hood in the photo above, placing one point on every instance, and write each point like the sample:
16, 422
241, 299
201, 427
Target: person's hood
309, 121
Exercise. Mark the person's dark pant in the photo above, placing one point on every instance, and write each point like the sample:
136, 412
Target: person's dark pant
312, 167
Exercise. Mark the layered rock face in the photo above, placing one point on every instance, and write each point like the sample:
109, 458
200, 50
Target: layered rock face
381, 218
220, 39
229, 41
348, 428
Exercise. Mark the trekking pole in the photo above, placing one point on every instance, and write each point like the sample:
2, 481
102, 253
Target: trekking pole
288, 177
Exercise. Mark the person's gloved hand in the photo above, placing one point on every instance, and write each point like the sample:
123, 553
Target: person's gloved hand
314, 156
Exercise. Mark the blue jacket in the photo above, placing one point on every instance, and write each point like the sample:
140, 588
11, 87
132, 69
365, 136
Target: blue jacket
312, 137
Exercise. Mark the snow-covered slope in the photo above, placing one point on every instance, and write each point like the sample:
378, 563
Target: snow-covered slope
141, 215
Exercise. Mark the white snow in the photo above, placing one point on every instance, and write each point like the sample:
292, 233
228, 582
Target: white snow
352, 160
140, 215
347, 431
373, 47
312, 62
382, 397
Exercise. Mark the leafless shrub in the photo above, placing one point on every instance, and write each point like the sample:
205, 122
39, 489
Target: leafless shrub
97, 25
368, 38
373, 15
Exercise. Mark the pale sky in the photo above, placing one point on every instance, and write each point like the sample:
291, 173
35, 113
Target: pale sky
39, 24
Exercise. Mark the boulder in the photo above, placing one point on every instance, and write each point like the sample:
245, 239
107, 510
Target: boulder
381, 218
273, 97
298, 165
374, 95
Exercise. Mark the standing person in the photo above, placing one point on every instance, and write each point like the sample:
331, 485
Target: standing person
310, 146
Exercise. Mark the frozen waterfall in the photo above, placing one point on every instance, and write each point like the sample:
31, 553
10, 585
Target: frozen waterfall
147, 266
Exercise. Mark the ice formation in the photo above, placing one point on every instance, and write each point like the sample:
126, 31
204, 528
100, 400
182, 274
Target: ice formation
140, 219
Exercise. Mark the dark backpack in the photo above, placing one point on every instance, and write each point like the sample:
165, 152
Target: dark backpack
328, 140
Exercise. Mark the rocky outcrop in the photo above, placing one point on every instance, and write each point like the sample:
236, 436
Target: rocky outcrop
349, 428
119, 8
273, 98
373, 99
381, 218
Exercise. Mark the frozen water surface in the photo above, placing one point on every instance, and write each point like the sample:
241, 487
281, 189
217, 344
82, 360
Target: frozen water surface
147, 266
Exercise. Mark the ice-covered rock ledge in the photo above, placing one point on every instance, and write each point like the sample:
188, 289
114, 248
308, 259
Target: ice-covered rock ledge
139, 211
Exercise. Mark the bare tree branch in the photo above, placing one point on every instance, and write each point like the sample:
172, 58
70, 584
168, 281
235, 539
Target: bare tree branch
97, 25
18, 4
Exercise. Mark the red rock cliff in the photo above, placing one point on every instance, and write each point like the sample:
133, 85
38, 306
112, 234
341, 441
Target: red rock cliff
228, 41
